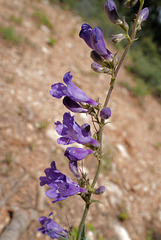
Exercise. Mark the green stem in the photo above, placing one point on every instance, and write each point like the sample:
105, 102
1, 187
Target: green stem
97, 173
82, 222
112, 83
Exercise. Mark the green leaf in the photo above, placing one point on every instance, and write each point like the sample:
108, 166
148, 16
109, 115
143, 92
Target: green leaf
94, 201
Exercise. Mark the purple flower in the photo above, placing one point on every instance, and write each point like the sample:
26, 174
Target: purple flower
143, 15
76, 154
85, 33
94, 39
71, 132
105, 113
50, 227
98, 44
111, 12
59, 90
61, 186
73, 106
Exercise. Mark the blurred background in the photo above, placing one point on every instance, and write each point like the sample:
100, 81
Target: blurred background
39, 43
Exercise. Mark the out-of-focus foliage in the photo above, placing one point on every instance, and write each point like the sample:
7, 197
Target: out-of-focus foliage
42, 19
9, 34
147, 63
146, 52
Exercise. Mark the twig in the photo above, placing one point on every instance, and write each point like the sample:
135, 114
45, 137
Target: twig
16, 187
18, 224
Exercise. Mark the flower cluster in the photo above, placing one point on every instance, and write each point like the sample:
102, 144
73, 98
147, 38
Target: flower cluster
60, 186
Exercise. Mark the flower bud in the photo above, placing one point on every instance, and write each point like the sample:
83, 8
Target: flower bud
97, 68
73, 106
105, 113
118, 38
143, 16
111, 12
124, 24
100, 190
96, 57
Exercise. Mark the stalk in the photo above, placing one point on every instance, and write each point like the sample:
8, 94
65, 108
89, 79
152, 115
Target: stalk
82, 222
100, 133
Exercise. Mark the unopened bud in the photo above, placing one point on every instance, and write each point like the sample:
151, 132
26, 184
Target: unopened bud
118, 38
143, 16
111, 12
124, 24
105, 113
100, 190
98, 68
96, 57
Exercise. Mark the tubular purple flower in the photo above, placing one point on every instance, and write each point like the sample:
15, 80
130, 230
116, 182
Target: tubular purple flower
105, 113
71, 132
143, 15
76, 154
61, 186
111, 12
94, 39
98, 44
73, 106
59, 90
85, 33
53, 229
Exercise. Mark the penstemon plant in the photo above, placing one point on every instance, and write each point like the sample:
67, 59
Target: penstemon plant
75, 100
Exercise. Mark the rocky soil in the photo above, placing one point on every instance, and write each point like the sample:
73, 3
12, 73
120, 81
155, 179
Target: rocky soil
131, 208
